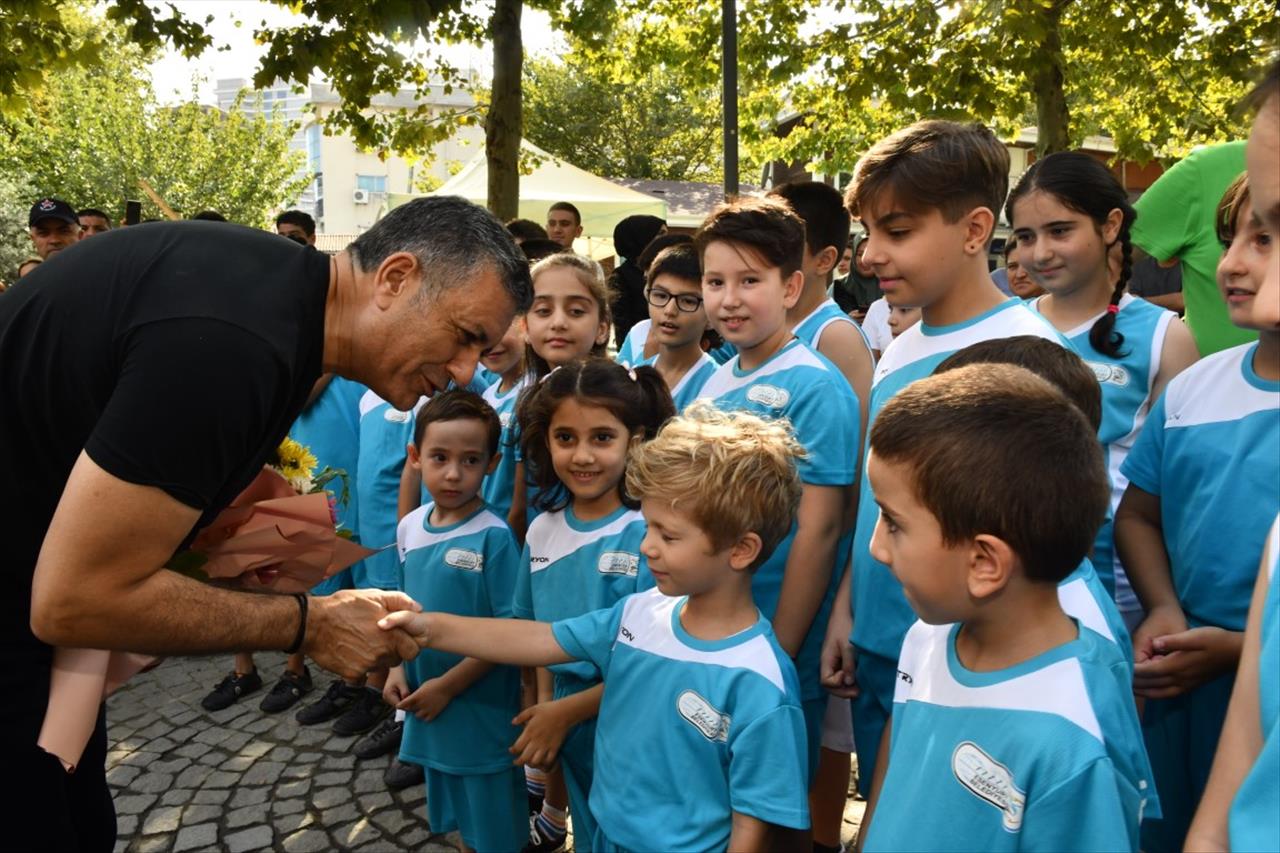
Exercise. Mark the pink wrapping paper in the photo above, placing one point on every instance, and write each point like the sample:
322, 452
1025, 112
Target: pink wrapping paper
270, 538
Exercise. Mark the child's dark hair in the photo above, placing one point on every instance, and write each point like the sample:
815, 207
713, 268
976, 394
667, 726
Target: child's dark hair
1053, 362
679, 261
645, 259
1268, 87
459, 405
1226, 217
537, 248
526, 229
767, 227
1086, 186
826, 221
943, 165
638, 398
994, 449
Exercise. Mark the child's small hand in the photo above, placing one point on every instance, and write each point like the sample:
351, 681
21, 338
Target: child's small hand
428, 701
838, 667
545, 728
1160, 621
416, 625
396, 688
1187, 660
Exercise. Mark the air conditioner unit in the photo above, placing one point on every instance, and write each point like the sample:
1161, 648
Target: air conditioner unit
360, 196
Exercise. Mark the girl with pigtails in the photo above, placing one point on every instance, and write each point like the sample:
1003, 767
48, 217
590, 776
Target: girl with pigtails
1072, 220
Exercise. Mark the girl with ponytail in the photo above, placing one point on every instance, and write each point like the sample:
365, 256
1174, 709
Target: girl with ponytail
1072, 220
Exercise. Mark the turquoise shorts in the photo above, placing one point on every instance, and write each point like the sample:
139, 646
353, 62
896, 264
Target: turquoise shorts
490, 811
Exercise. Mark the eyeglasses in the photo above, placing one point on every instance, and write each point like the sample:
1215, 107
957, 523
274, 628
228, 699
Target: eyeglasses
686, 302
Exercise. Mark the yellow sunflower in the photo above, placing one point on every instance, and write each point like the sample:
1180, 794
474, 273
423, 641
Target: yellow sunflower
296, 464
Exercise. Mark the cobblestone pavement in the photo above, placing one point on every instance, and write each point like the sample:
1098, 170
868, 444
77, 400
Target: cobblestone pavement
239, 780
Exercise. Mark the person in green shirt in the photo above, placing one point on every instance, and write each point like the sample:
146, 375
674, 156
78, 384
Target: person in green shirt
1176, 222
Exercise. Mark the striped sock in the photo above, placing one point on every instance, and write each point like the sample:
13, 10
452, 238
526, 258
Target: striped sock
551, 822
536, 782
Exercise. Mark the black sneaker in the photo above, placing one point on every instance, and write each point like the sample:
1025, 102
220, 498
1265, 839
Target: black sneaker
231, 689
335, 701
365, 712
383, 739
538, 843
289, 689
402, 774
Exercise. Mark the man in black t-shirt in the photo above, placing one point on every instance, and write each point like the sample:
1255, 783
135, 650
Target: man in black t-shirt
144, 383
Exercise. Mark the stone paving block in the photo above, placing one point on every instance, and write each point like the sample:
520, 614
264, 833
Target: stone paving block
307, 841
296, 788
177, 797
162, 820
221, 779
248, 797
211, 798
373, 802
337, 777
393, 821
280, 753
212, 735
192, 750
152, 783
193, 815
237, 741
152, 844
134, 803
247, 815
367, 781
329, 797
211, 759
121, 776
288, 824
256, 838
192, 777
339, 762
126, 824
356, 834
257, 727
237, 764
194, 837
415, 838
262, 773
280, 807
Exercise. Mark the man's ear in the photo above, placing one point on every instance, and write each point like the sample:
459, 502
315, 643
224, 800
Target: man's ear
397, 276
745, 551
979, 225
991, 565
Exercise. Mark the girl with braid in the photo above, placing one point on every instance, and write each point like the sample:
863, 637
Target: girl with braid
1069, 215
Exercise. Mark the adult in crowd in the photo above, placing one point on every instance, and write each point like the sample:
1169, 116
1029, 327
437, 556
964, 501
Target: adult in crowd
93, 222
146, 382
53, 226
209, 216
630, 236
861, 282
27, 266
1158, 283
564, 224
298, 226
1176, 223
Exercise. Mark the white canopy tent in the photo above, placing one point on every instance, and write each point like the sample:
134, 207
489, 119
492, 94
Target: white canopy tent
603, 204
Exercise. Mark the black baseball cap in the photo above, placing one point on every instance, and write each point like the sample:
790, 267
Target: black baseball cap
52, 208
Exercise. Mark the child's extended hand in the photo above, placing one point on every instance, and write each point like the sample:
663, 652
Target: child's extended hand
838, 665
416, 625
428, 701
545, 727
1160, 622
1186, 660
397, 687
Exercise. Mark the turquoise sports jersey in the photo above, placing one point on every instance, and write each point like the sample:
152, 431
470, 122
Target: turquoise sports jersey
1085, 599
385, 433
914, 355
631, 352
468, 569
1045, 755
1126, 383
500, 485
571, 567
1254, 822
689, 388
810, 329
1208, 451
690, 730
330, 428
482, 378
800, 385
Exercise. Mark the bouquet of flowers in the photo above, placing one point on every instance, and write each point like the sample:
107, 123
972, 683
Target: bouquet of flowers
280, 534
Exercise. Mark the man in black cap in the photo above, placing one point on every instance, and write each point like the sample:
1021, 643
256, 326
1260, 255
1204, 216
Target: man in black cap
53, 225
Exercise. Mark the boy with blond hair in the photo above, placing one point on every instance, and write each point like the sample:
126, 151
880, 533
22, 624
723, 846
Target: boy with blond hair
928, 197
1011, 719
700, 739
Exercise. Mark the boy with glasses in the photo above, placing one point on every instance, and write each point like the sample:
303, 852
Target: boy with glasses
673, 290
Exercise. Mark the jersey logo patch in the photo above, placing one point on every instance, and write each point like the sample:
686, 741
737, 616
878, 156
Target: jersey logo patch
713, 725
989, 780
769, 395
465, 559
618, 563
397, 417
1109, 374
505, 419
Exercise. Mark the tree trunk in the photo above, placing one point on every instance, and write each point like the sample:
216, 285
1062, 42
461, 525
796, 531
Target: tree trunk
1053, 121
504, 124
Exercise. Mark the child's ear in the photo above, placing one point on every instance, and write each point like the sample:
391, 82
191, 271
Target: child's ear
1111, 227
602, 333
412, 450
493, 463
826, 260
979, 224
745, 551
792, 286
992, 563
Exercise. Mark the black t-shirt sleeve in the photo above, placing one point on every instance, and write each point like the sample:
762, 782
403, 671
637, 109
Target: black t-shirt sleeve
192, 408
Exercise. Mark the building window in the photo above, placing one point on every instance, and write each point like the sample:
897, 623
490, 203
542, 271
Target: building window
372, 183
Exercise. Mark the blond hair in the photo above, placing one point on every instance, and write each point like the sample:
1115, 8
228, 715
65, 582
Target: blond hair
731, 473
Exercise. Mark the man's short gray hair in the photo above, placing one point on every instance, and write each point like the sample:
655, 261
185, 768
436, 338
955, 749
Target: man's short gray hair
453, 240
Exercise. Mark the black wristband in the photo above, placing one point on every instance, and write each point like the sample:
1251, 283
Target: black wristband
296, 645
